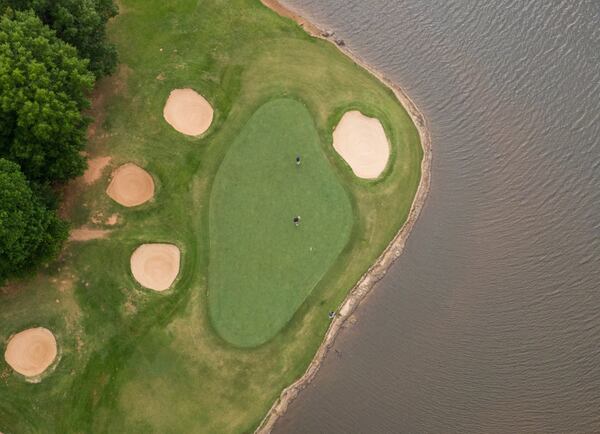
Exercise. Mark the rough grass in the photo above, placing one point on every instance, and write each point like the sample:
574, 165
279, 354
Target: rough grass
262, 266
137, 361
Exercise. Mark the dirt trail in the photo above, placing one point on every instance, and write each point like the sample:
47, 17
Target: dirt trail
95, 168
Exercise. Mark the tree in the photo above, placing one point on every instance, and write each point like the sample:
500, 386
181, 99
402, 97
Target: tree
81, 23
43, 87
30, 233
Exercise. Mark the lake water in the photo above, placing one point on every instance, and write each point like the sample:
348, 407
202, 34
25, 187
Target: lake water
490, 321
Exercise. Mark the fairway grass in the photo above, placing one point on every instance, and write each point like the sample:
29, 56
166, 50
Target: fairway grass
262, 266
134, 360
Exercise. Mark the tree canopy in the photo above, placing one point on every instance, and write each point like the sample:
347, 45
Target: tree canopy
30, 233
81, 23
51, 52
43, 86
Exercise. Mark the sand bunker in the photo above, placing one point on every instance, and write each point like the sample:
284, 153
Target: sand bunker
361, 141
130, 185
31, 351
156, 266
188, 112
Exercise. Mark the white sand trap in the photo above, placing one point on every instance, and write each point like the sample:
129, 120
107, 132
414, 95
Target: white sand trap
188, 112
362, 143
156, 266
31, 351
130, 185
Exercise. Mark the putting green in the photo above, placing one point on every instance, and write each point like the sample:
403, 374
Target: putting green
263, 266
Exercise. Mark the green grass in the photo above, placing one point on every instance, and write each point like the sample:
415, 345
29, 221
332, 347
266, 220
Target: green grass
262, 266
137, 361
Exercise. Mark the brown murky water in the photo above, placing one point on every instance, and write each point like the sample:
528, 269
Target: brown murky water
490, 321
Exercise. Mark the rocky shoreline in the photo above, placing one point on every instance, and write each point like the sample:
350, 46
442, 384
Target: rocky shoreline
389, 255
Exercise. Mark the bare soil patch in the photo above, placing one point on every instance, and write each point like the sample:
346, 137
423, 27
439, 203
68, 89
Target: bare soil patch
95, 168
103, 92
156, 266
112, 220
87, 234
188, 112
362, 143
31, 351
131, 185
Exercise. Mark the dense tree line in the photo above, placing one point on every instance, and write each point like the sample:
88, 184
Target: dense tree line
30, 232
51, 51
80, 23
43, 87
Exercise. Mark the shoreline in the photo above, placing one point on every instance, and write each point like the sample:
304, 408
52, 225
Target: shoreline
376, 272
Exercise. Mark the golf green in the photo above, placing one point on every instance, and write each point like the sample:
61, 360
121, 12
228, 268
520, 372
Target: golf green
262, 263
190, 360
